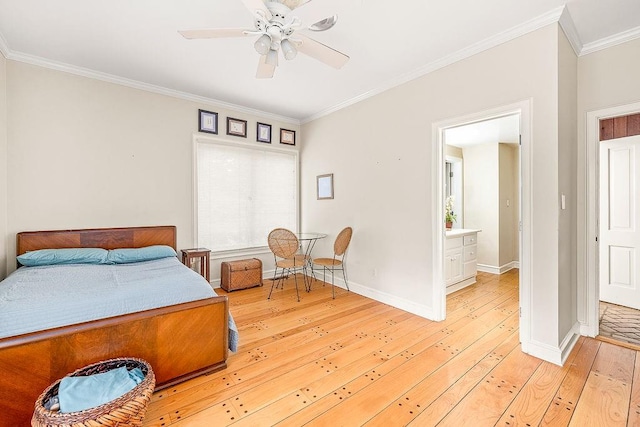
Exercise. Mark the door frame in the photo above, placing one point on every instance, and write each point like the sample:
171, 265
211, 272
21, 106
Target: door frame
589, 255
523, 108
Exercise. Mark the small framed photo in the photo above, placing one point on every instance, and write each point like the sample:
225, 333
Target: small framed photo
325, 186
207, 121
236, 127
264, 133
287, 137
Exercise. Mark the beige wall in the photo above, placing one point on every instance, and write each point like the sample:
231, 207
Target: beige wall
567, 177
606, 78
508, 204
452, 151
86, 153
3, 167
489, 172
481, 192
381, 157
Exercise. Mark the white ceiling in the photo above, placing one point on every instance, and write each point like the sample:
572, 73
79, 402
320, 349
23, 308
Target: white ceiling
136, 42
504, 129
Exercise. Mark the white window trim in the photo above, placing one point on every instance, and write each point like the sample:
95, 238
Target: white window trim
202, 139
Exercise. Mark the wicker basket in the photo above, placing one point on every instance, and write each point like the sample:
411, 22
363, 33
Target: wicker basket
127, 410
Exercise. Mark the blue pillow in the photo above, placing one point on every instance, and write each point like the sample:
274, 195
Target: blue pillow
148, 253
63, 256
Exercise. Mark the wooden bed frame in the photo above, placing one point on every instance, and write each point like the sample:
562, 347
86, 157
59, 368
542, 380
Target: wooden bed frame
180, 341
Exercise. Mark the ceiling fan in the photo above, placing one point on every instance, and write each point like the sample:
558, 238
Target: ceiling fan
277, 28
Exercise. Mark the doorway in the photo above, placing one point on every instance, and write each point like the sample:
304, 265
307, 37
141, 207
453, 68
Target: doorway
482, 186
523, 111
619, 164
590, 260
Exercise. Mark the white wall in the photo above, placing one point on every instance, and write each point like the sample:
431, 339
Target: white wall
381, 157
606, 78
3, 167
481, 205
567, 177
87, 153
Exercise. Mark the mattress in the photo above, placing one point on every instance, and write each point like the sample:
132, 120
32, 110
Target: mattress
38, 298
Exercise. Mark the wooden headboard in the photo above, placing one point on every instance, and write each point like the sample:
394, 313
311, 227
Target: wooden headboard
107, 238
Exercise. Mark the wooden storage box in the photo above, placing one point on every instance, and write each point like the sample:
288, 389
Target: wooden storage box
241, 274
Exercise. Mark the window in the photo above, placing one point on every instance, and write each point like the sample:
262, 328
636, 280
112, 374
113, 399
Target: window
242, 193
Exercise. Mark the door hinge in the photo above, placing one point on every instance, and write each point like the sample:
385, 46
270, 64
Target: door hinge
520, 311
519, 139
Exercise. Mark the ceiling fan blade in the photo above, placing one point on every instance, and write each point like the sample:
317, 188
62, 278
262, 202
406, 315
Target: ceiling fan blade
311, 12
265, 71
213, 33
321, 52
254, 5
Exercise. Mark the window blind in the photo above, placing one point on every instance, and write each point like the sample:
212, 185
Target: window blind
242, 194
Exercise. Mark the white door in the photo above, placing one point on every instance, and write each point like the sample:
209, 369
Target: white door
619, 221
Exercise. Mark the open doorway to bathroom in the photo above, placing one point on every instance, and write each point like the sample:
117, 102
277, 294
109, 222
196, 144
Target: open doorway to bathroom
522, 110
482, 197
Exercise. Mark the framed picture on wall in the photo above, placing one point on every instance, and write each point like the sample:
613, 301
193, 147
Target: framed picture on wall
325, 186
207, 121
236, 127
263, 133
287, 137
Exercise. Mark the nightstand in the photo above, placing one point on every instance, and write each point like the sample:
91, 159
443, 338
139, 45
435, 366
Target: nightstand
202, 254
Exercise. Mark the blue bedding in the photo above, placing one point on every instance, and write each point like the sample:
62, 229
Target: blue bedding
38, 298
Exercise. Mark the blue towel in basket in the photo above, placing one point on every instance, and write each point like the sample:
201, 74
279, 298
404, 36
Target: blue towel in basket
80, 393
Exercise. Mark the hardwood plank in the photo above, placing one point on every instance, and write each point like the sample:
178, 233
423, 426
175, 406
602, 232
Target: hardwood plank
634, 404
486, 402
604, 401
264, 367
606, 395
376, 396
354, 361
530, 405
606, 129
633, 125
441, 406
615, 362
412, 403
564, 402
620, 127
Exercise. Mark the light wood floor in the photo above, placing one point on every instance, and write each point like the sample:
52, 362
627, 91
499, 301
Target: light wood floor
353, 361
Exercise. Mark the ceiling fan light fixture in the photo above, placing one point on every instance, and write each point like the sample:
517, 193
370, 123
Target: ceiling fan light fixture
263, 44
272, 58
324, 24
288, 50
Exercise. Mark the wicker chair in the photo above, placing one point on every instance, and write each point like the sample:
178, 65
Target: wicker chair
284, 244
339, 258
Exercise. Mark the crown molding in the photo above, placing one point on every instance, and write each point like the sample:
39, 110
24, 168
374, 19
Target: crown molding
4, 48
110, 78
610, 41
569, 29
505, 36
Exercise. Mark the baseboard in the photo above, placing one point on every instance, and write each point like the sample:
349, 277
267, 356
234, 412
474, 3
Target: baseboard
498, 270
385, 298
556, 355
457, 286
